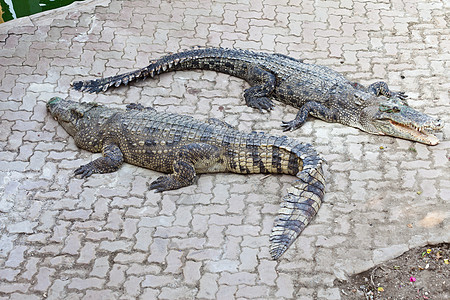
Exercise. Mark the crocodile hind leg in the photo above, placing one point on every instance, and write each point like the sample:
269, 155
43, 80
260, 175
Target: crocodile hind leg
263, 83
111, 160
187, 159
381, 88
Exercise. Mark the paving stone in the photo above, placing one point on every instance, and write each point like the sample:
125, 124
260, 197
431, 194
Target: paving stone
73, 243
285, 286
237, 278
133, 286
101, 267
174, 263
16, 257
175, 293
115, 246
8, 274
156, 281
31, 268
149, 293
248, 258
44, 279
267, 272
60, 261
332, 293
191, 272
83, 284
208, 286
96, 236
158, 250
9, 288
226, 292
117, 275
22, 227
18, 296
251, 292
142, 239
100, 294
87, 253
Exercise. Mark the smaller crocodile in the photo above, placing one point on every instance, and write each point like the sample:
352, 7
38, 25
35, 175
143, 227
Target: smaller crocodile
313, 89
184, 147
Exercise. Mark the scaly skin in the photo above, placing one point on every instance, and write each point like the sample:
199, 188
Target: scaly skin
184, 147
315, 90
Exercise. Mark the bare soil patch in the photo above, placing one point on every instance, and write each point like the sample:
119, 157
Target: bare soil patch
420, 273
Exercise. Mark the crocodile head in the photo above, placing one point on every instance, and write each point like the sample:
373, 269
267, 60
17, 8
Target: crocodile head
394, 117
68, 113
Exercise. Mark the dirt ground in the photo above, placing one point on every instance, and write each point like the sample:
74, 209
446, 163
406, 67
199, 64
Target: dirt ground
420, 273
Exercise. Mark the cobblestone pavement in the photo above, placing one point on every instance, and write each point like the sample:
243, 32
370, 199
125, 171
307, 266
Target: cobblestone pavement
108, 237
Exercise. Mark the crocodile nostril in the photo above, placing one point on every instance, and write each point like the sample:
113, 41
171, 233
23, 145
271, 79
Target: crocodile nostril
439, 123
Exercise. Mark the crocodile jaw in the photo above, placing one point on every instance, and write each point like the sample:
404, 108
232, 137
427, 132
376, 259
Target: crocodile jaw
410, 132
418, 134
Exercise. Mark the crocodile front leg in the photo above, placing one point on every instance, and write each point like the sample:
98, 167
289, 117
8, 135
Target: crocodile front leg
315, 108
189, 157
111, 160
263, 83
381, 88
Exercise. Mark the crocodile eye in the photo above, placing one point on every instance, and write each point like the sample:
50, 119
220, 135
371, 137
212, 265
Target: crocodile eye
389, 108
76, 112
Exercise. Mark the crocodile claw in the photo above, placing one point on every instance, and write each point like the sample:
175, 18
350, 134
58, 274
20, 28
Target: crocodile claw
84, 171
261, 103
290, 125
401, 95
161, 184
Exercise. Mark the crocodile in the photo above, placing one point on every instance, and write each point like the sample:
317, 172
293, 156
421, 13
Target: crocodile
313, 89
183, 147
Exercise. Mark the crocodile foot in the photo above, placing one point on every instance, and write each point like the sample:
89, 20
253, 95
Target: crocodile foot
260, 103
291, 125
85, 170
166, 183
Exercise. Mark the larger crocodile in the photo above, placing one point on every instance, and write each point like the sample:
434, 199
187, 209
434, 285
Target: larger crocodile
316, 90
184, 147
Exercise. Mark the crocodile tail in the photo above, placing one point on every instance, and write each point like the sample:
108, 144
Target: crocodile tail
164, 64
201, 58
300, 205
99, 85
260, 153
